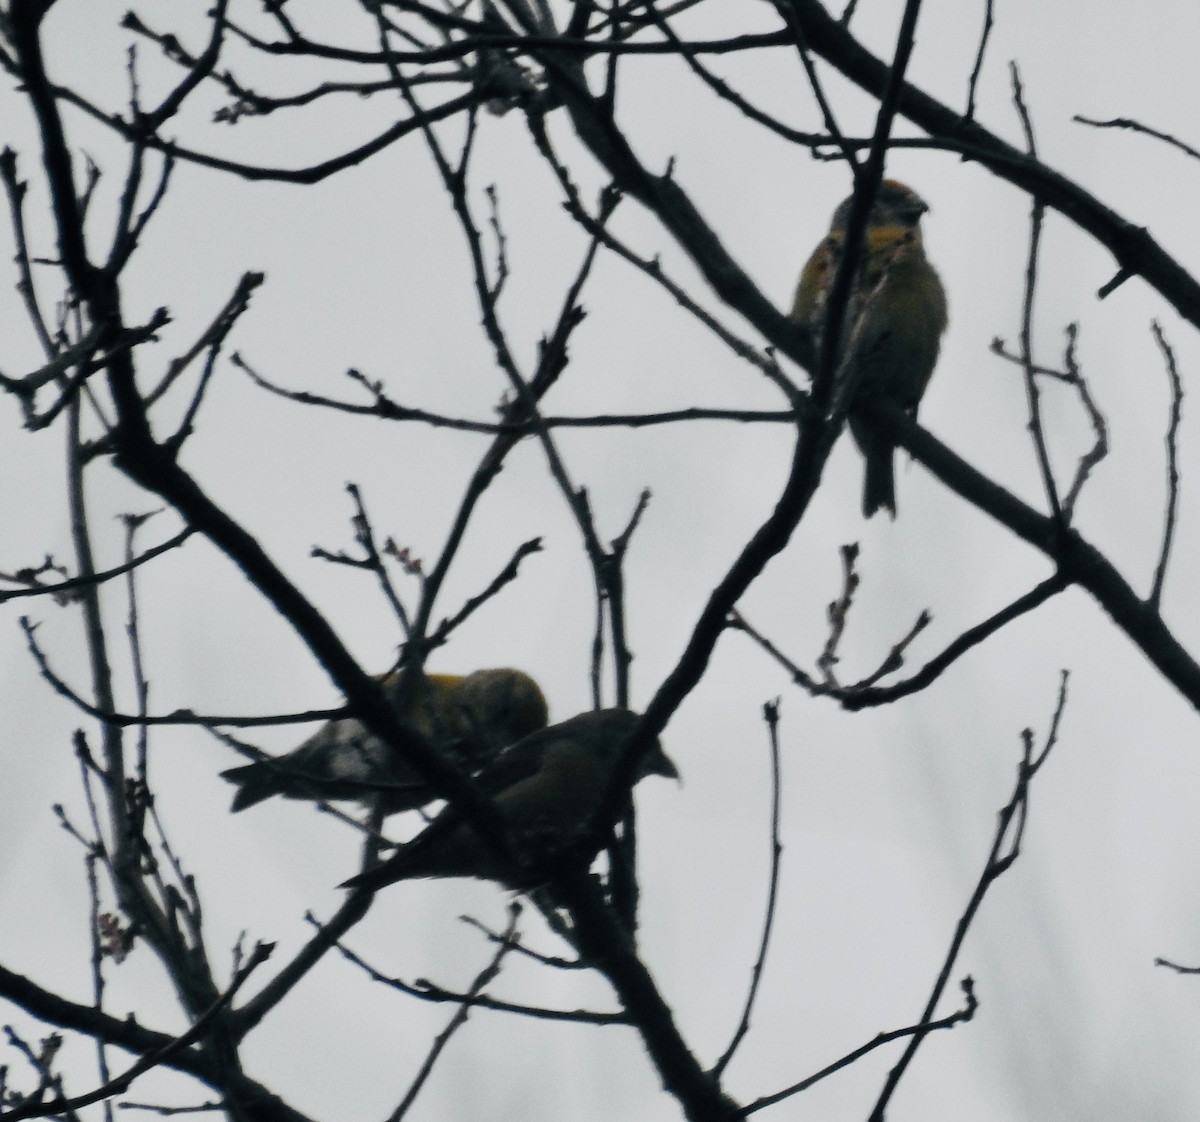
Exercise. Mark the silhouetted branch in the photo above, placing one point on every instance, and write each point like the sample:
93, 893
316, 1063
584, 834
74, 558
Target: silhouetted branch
505, 577
156, 1058
485, 976
1005, 849
386, 409
771, 716
1160, 572
1136, 252
1077, 561
425, 990
958, 1017
1135, 126
70, 584
977, 69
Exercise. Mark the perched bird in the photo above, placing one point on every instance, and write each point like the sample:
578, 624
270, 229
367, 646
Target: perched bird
893, 324
471, 719
546, 787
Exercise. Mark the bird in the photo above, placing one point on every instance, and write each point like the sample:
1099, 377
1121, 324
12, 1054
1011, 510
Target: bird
893, 323
470, 718
547, 788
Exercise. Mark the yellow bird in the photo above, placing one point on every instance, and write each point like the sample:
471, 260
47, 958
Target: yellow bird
471, 719
893, 324
546, 787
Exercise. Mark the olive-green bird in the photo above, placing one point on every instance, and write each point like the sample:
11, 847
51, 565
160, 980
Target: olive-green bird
893, 324
471, 719
546, 787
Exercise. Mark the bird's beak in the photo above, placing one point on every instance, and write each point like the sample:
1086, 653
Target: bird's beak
662, 764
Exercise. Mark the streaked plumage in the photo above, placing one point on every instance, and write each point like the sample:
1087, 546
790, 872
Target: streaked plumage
893, 324
472, 719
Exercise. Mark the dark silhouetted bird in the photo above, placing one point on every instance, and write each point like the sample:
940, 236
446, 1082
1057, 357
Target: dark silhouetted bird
547, 789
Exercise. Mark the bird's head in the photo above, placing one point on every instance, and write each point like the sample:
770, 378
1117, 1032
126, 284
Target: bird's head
655, 761
896, 205
500, 706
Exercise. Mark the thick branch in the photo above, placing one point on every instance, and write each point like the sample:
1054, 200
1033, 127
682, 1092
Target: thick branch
1136, 252
1077, 560
603, 941
129, 1035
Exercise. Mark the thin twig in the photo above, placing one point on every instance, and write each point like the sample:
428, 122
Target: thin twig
15, 189
485, 976
1177, 967
1173, 481
555, 961
838, 613
1037, 211
1005, 849
796, 31
425, 990
383, 407
133, 633
171, 1111
958, 1017
771, 716
652, 266
364, 534
859, 696
117, 719
726, 92
61, 588
212, 336
151, 1060
1099, 449
1135, 126
505, 577
977, 69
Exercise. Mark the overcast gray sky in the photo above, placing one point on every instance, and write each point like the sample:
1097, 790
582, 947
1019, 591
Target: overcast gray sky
887, 815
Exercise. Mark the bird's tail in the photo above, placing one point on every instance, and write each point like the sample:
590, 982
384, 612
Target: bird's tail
254, 782
394, 869
369, 881
879, 481
879, 486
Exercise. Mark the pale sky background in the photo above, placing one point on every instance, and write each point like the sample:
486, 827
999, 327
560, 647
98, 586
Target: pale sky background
888, 815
